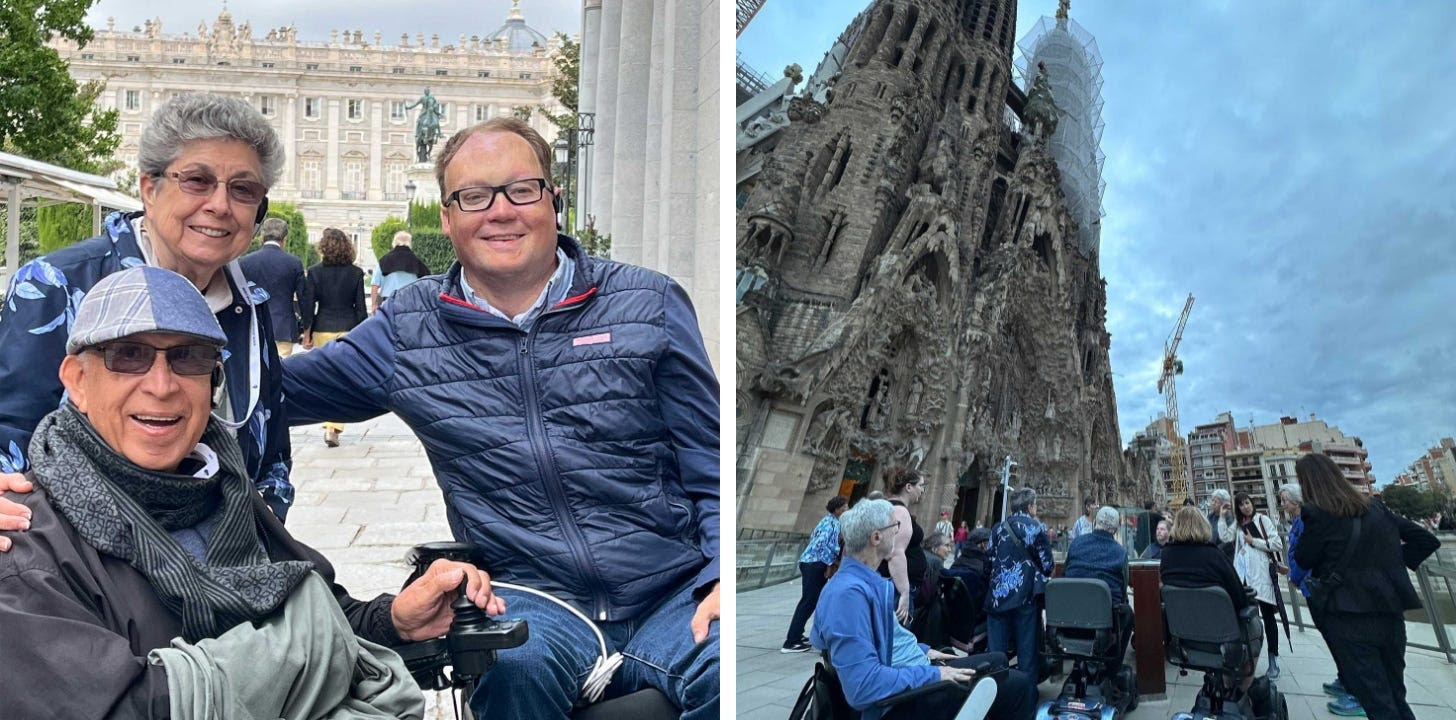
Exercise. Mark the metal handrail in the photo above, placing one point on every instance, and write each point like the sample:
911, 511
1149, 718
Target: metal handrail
753, 575
1424, 586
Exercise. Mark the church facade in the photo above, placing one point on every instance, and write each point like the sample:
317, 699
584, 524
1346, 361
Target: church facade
911, 286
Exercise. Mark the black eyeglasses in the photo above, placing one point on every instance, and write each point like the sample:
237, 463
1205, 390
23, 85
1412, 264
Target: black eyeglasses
136, 358
477, 199
201, 182
895, 525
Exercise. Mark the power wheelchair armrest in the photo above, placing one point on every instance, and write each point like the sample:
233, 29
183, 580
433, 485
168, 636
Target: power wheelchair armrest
983, 670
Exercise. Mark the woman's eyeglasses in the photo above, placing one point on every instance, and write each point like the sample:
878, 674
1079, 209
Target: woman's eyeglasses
201, 182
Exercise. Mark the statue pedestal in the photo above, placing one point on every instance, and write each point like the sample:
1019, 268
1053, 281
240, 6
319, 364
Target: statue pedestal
426, 189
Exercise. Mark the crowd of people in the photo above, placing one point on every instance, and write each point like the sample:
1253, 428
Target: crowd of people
868, 620
546, 385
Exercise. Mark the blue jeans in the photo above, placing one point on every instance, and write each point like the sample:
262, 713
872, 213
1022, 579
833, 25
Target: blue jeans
542, 679
1018, 626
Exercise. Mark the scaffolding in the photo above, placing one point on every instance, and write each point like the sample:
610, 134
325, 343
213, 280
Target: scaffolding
1074, 73
745, 12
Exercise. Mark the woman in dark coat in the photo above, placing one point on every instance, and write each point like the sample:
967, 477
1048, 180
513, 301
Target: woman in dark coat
333, 301
1362, 621
1191, 559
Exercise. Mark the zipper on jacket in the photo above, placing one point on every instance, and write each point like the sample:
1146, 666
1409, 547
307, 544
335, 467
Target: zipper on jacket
536, 429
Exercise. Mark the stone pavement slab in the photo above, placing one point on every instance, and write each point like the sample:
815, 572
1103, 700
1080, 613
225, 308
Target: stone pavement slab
769, 681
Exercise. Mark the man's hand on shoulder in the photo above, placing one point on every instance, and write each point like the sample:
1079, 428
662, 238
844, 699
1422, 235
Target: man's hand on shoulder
706, 614
13, 516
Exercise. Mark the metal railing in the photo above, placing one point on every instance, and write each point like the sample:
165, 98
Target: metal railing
768, 558
1430, 576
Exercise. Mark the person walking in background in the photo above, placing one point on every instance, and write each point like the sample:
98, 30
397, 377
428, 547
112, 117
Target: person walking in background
944, 526
333, 301
1021, 562
822, 552
1290, 500
1222, 523
962, 534
1085, 523
1361, 552
398, 268
280, 274
1254, 559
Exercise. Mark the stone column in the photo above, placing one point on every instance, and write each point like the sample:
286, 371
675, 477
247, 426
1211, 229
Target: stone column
591, 41
290, 142
645, 249
704, 154
331, 155
607, 73
624, 219
376, 150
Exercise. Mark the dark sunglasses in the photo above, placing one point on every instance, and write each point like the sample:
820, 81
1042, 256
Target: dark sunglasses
201, 182
136, 358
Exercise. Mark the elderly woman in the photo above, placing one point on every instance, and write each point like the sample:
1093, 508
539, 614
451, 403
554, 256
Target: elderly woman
333, 301
1221, 521
1192, 560
1361, 614
1021, 562
155, 582
206, 164
876, 657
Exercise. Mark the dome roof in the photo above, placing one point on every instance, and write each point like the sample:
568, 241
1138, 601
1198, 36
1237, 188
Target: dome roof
519, 36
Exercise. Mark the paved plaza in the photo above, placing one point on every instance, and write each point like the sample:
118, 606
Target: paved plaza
769, 681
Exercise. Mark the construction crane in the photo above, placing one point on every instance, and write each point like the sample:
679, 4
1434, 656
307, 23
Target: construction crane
745, 12
1173, 367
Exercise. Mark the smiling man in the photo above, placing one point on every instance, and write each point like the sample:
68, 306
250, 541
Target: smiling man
570, 414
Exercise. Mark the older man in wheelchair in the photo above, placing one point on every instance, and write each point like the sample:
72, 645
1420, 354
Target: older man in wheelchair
1214, 625
1089, 621
884, 672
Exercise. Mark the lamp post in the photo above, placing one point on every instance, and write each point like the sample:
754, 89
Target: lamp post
566, 157
1006, 483
409, 201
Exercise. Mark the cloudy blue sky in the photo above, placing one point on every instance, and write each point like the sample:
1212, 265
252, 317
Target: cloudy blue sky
1291, 164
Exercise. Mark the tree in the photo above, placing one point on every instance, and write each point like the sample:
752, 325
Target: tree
44, 113
564, 87
297, 243
1412, 502
62, 225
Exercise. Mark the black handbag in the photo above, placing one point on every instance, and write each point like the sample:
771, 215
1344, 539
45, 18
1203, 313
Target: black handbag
1321, 588
822, 697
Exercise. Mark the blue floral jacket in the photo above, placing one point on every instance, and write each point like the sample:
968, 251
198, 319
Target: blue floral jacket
36, 318
823, 542
1021, 561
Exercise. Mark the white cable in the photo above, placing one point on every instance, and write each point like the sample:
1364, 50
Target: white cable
606, 665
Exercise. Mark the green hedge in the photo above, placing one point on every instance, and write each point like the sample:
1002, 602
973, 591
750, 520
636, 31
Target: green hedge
62, 225
434, 249
425, 216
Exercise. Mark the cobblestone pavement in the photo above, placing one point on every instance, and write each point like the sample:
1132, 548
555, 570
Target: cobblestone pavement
364, 504
769, 681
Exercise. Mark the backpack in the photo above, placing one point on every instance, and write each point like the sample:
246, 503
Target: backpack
822, 698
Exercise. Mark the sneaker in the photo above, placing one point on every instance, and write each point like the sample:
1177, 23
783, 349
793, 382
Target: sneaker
1346, 706
1336, 689
796, 647
978, 703
1273, 670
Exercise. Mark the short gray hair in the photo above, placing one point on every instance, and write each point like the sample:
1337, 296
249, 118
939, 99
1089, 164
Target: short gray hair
1220, 495
1107, 519
1293, 491
275, 230
1022, 499
859, 522
205, 116
934, 540
402, 238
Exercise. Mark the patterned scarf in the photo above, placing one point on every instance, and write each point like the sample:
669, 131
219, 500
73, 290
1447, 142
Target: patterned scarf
127, 512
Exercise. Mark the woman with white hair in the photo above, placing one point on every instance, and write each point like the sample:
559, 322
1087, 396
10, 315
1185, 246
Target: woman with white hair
876, 657
1221, 521
1097, 555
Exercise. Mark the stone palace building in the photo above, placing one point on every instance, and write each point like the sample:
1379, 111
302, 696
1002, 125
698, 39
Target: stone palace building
339, 105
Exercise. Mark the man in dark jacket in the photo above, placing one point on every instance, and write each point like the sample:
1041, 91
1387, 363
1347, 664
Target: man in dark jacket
151, 557
1097, 555
398, 268
570, 414
280, 274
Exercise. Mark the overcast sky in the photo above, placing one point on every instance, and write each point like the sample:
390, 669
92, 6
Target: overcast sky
315, 18
1293, 165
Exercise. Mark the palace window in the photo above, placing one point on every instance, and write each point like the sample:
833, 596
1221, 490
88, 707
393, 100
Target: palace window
133, 58
482, 73
310, 66
356, 68
311, 107
133, 99
397, 71
396, 110
356, 109
442, 72
482, 113
179, 61
268, 65
265, 104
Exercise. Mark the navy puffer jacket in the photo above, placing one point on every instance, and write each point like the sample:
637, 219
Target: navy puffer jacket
582, 456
